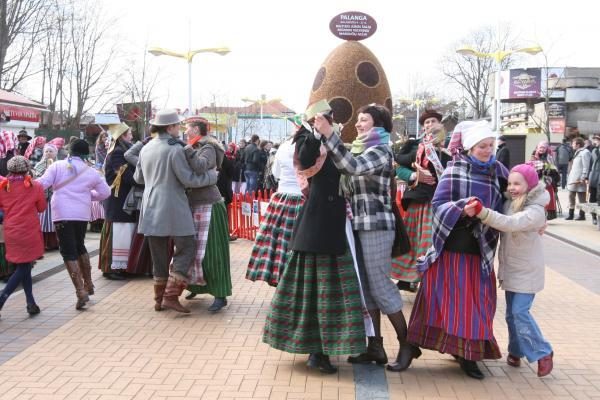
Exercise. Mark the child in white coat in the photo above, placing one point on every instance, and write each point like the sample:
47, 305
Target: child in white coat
521, 258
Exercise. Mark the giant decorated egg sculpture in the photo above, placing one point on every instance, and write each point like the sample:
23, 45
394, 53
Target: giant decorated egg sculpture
349, 78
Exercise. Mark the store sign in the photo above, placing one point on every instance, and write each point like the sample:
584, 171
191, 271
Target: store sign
525, 83
17, 113
557, 125
353, 25
557, 110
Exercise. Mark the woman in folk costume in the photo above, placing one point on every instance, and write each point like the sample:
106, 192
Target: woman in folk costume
456, 302
210, 272
140, 260
369, 167
317, 307
225, 179
75, 185
48, 231
22, 200
35, 151
542, 160
420, 165
119, 226
271, 248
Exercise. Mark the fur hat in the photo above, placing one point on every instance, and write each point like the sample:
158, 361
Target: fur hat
79, 147
429, 114
529, 173
18, 165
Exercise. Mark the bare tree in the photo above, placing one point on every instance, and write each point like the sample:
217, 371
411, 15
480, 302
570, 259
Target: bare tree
92, 56
20, 30
472, 74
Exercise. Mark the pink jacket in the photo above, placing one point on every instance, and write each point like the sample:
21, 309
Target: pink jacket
73, 201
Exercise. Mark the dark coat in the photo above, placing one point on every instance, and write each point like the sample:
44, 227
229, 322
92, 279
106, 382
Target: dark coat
250, 156
113, 206
320, 226
503, 155
226, 174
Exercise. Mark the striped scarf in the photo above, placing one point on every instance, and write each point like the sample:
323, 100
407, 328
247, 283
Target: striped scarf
461, 180
375, 136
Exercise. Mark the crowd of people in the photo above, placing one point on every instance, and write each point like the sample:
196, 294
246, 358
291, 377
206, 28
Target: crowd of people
332, 242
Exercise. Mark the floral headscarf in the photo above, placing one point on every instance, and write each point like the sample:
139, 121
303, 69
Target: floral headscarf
37, 142
8, 142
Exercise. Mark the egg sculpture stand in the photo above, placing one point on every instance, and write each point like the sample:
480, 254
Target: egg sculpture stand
351, 76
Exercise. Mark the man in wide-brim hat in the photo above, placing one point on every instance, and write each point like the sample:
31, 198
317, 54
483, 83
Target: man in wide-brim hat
165, 211
24, 139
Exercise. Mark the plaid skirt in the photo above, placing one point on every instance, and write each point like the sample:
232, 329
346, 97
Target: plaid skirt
317, 307
215, 264
97, 211
454, 309
418, 223
270, 252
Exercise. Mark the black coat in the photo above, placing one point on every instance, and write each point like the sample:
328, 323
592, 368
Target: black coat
113, 206
320, 226
503, 155
226, 174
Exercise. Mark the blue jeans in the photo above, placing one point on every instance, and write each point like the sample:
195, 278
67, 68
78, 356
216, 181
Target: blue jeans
564, 171
524, 336
251, 181
21, 275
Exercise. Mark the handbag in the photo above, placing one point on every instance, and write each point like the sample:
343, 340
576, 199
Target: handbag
401, 244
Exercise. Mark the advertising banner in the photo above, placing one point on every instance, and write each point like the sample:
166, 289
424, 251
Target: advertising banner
525, 83
557, 110
17, 113
557, 125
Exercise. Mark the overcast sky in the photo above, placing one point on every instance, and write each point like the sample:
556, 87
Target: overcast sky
278, 46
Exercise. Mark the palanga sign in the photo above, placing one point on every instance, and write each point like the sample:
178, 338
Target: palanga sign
353, 25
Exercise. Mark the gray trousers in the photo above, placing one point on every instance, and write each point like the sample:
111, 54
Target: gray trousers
580, 198
185, 252
374, 253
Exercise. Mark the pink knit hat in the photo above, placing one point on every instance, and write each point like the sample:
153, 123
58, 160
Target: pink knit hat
529, 173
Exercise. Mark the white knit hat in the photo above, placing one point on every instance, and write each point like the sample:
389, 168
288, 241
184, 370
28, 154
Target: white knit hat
473, 132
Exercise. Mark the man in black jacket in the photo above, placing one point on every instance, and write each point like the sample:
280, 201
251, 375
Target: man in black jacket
252, 168
503, 154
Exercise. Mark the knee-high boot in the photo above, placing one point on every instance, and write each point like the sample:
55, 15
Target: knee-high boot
77, 279
407, 351
171, 295
86, 272
159, 290
375, 351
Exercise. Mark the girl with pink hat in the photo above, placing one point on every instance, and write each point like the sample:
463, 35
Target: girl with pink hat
521, 262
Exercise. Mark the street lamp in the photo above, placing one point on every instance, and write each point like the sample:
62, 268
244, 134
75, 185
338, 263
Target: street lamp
189, 56
498, 57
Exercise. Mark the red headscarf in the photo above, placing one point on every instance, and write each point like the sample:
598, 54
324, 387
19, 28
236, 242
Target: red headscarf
38, 141
231, 151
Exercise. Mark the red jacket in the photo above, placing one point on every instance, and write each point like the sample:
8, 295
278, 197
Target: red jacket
22, 232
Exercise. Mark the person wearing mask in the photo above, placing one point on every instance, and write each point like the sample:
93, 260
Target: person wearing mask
502, 153
75, 185
577, 180
251, 169
165, 214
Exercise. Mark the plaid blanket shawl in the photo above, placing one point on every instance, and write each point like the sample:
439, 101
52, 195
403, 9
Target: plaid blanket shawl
460, 181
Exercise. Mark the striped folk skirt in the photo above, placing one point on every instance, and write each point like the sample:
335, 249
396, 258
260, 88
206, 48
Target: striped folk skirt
270, 252
454, 309
140, 260
317, 307
97, 211
48, 231
215, 264
418, 222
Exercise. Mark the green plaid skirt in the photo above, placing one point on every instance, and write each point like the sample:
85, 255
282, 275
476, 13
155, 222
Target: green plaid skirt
215, 265
317, 307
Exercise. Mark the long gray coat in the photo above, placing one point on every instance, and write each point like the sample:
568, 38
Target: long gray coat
163, 168
579, 171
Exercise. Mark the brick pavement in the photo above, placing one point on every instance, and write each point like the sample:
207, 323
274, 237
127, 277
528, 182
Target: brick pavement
119, 348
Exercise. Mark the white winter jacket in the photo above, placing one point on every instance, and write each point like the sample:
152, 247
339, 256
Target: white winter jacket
521, 255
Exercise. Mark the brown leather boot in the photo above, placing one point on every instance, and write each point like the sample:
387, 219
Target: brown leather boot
375, 353
159, 291
171, 295
77, 279
86, 272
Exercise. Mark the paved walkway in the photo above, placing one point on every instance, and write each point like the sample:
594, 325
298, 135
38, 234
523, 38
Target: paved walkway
120, 348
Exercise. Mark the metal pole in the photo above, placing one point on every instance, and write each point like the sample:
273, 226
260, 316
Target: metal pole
497, 112
190, 87
417, 132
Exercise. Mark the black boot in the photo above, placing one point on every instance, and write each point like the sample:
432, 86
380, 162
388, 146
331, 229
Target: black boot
571, 215
375, 353
219, 303
594, 219
470, 368
581, 216
321, 362
407, 353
